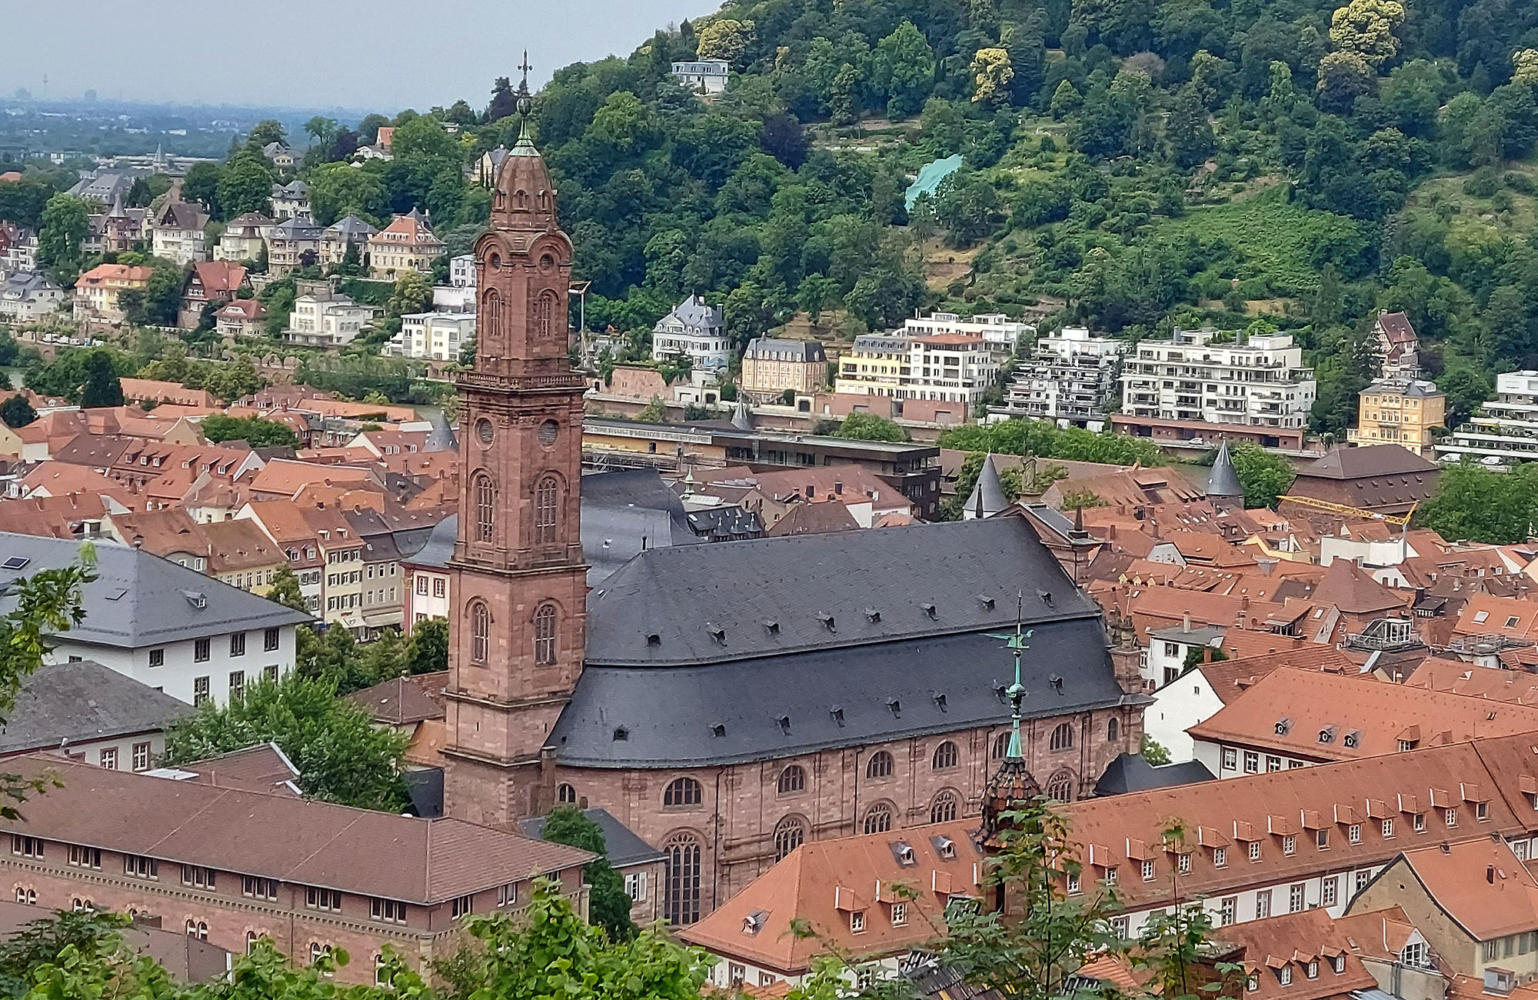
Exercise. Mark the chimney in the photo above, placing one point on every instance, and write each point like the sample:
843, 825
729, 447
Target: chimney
1490, 874
1185, 620
838, 488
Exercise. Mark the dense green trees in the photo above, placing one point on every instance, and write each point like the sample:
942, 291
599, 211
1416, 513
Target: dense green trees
255, 431
608, 905
63, 228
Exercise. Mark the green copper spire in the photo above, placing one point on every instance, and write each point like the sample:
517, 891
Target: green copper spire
525, 105
1016, 691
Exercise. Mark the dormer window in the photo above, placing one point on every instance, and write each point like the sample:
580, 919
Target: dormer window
1338, 964
1311, 970
1285, 975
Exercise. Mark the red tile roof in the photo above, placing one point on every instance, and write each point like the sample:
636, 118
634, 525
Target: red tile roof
1302, 941
1480, 884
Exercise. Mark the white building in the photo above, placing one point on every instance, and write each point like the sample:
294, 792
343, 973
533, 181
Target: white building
695, 330
703, 76
462, 271
164, 625
948, 367
1256, 382
21, 255
90, 713
1001, 333
27, 296
1069, 378
323, 318
1505, 430
437, 336
178, 232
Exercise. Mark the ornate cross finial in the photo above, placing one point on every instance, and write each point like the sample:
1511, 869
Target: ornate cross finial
525, 102
525, 67
1016, 691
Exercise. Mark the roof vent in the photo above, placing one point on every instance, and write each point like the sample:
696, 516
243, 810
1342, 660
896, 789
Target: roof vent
1353, 738
939, 697
827, 621
872, 615
1046, 597
196, 599
15, 562
718, 634
754, 922
718, 730
784, 723
1057, 683
1327, 734
896, 706
621, 734
985, 601
945, 847
929, 609
653, 639
1283, 726
771, 626
838, 715
904, 853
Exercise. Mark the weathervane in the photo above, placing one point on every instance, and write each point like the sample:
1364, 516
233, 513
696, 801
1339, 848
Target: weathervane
1016, 691
525, 102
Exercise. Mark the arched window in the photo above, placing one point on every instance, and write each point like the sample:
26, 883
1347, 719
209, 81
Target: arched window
1112, 730
944, 807
1062, 737
879, 766
544, 314
480, 632
491, 317
1001, 746
788, 835
792, 780
878, 818
565, 793
946, 757
547, 498
251, 938
1060, 786
681, 793
681, 879
485, 507
544, 636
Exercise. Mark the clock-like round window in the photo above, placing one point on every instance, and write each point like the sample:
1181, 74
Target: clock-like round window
495, 261
484, 431
547, 432
546, 262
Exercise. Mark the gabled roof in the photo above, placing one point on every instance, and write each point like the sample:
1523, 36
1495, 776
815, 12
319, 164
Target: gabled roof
1297, 939
1373, 460
621, 844
814, 517
401, 701
1231, 678
1336, 717
64, 704
1480, 884
142, 600
1396, 328
220, 277
283, 837
1354, 592
261, 767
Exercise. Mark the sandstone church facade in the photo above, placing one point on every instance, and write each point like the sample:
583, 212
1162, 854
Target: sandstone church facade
729, 701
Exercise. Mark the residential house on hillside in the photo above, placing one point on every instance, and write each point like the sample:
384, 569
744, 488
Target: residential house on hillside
323, 317
116, 230
706, 77
406, 244
694, 330
279, 154
771, 367
177, 229
1401, 412
97, 291
92, 714
27, 296
244, 237
240, 318
290, 200
346, 233
292, 244
1397, 346
210, 283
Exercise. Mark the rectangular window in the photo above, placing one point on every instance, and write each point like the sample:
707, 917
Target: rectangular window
1230, 758
141, 756
1219, 857
1481, 811
237, 684
1110, 875
323, 899
1251, 762
198, 876
462, 906
439, 587
899, 914
1262, 904
1073, 883
1228, 910
1354, 833
1388, 828
85, 857
390, 911
1361, 878
1420, 823
259, 888
157, 657
26, 847
1254, 850
1184, 864
109, 758
1289, 844
237, 644
270, 672
1450, 816
635, 886
1492, 950
857, 921
135, 866
1322, 839
1121, 927
199, 690
1328, 890
1148, 871
1295, 897
507, 895
200, 650
270, 640
1273, 763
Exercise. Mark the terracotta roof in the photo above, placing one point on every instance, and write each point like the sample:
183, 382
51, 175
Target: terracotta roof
220, 277
1240, 643
64, 478
1396, 328
1232, 677
271, 836
115, 272
1485, 614
403, 700
824, 882
1333, 717
1299, 940
238, 544
816, 516
284, 478
1480, 884
1380, 934
1351, 590
52, 517
250, 309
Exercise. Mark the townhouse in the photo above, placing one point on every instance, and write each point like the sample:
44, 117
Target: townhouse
92, 714
406, 244
98, 291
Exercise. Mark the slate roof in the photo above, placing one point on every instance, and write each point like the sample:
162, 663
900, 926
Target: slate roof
350, 228
987, 497
621, 844
138, 599
440, 545
771, 349
296, 228
696, 315
1373, 460
876, 674
1223, 480
82, 701
1131, 772
625, 512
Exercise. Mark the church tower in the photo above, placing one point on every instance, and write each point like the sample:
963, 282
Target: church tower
518, 631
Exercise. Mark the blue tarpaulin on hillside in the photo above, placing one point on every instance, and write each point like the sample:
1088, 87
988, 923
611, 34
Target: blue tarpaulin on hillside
930, 176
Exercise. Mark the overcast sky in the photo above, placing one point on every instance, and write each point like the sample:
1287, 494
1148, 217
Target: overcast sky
379, 55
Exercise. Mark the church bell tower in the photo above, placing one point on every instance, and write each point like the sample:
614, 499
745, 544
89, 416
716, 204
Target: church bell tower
518, 626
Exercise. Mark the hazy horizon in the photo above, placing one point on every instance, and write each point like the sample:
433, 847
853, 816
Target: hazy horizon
290, 54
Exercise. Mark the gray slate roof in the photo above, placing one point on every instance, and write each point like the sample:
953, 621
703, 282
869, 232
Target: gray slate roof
138, 599
987, 497
1223, 481
771, 348
696, 315
440, 545
624, 513
689, 699
1132, 773
296, 227
621, 844
83, 701
350, 228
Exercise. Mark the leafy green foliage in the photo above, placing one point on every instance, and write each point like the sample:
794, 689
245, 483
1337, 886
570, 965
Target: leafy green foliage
1046, 440
870, 427
428, 648
1482, 504
64, 226
1264, 475
255, 431
608, 905
17, 412
341, 755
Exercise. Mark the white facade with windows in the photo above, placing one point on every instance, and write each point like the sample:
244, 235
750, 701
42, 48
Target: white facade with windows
998, 331
1504, 431
326, 321
437, 336
1069, 378
703, 76
694, 330
947, 367
198, 669
462, 271
1254, 382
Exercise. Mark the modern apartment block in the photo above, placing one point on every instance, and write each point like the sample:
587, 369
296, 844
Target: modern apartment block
1194, 376
1002, 333
949, 367
1505, 430
1069, 377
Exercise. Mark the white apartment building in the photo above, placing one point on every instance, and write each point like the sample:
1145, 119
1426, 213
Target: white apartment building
326, 319
948, 367
1069, 377
437, 336
27, 296
1001, 333
1256, 382
462, 271
703, 76
1505, 430
695, 330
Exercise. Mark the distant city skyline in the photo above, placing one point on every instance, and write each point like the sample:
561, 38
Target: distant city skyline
285, 53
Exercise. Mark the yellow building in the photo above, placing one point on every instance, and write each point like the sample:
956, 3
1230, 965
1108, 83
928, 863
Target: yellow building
1398, 411
770, 367
406, 244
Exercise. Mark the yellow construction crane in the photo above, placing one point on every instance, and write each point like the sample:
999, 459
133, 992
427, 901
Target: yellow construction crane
1337, 508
